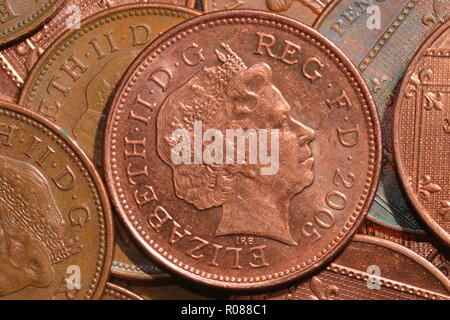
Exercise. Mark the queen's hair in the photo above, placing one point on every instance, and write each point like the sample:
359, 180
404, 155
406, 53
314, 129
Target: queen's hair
217, 96
27, 206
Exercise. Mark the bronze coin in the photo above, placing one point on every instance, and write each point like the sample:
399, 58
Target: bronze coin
243, 224
19, 18
24, 55
425, 245
8, 76
382, 53
305, 11
170, 289
422, 132
56, 235
115, 292
369, 269
81, 70
129, 261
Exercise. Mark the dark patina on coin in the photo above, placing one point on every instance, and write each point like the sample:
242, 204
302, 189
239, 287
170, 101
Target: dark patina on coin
233, 223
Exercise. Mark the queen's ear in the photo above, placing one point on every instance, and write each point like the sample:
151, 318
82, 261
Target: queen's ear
245, 86
279, 5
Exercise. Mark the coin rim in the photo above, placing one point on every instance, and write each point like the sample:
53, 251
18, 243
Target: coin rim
98, 183
316, 37
129, 295
20, 34
408, 190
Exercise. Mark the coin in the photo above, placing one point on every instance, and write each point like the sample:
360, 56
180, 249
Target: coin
369, 269
422, 132
7, 76
170, 289
81, 70
55, 222
305, 11
24, 55
424, 245
231, 224
18, 18
379, 49
115, 292
129, 262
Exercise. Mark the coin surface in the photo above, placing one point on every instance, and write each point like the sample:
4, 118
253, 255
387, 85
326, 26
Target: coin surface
114, 292
424, 245
81, 70
55, 219
23, 56
305, 11
422, 132
239, 224
370, 269
379, 49
18, 18
129, 261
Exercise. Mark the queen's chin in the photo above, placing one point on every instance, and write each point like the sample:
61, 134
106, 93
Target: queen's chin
306, 176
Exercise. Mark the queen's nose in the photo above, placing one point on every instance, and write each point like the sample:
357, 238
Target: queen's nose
304, 133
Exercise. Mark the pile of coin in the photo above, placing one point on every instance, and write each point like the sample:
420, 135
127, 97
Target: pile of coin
242, 149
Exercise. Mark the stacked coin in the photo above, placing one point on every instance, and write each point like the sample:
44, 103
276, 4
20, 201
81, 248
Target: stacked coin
244, 149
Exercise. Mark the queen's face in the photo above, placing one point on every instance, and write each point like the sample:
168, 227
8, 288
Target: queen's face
23, 262
295, 158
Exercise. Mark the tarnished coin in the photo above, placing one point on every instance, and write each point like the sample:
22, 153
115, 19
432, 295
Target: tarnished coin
115, 292
425, 245
20, 17
265, 214
381, 42
422, 132
305, 11
24, 55
55, 219
73, 81
129, 261
370, 269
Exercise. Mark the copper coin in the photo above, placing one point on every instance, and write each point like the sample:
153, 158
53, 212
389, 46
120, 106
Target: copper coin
129, 261
115, 292
170, 289
370, 269
229, 223
81, 70
305, 11
425, 245
422, 132
9, 87
18, 18
379, 49
23, 56
55, 220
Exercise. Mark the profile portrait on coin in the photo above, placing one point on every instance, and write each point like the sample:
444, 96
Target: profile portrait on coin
32, 234
234, 96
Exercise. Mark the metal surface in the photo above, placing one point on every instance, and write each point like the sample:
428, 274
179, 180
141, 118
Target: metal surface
55, 220
230, 226
305, 11
382, 55
114, 292
400, 273
422, 132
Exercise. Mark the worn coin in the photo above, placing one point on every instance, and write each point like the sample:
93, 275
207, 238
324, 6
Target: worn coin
305, 11
369, 269
422, 132
115, 292
55, 219
381, 41
19, 18
73, 80
242, 223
